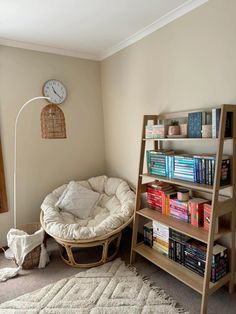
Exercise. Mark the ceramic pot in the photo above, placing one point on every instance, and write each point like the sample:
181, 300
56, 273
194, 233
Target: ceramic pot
207, 131
174, 130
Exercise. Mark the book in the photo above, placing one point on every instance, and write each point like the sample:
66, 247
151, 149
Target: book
225, 172
228, 124
167, 196
148, 234
156, 195
215, 122
157, 161
219, 252
204, 169
160, 237
206, 118
207, 209
196, 209
216, 112
195, 124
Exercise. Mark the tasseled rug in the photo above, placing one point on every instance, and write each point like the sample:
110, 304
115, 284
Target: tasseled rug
107, 289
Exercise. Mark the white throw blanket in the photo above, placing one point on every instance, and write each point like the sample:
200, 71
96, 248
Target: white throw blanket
20, 244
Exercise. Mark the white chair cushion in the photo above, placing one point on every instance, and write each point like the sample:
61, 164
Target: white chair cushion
114, 207
78, 200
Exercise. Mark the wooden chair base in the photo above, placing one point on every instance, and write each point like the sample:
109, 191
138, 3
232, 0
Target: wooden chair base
67, 254
105, 241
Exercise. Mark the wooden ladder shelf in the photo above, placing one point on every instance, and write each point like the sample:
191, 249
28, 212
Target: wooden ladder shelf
220, 206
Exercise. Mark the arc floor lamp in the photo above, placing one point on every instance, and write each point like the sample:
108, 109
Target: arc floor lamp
15, 154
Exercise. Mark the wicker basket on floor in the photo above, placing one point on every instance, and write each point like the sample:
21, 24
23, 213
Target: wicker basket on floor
32, 258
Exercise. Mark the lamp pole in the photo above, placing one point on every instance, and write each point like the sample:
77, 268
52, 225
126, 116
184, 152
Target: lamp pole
15, 152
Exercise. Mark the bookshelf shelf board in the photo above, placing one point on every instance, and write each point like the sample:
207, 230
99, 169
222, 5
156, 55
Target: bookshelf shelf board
186, 139
180, 226
187, 184
178, 271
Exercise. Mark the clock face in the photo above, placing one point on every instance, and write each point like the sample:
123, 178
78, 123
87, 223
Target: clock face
55, 90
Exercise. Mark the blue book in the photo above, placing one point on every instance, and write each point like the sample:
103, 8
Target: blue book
196, 171
167, 166
171, 159
195, 124
191, 179
215, 122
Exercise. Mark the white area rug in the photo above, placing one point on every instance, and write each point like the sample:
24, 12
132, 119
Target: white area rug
107, 289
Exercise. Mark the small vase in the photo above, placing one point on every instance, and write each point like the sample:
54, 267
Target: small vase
183, 129
174, 130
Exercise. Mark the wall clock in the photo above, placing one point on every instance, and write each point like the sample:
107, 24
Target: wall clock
55, 90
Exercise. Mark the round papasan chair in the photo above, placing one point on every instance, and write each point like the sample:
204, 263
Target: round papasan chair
88, 214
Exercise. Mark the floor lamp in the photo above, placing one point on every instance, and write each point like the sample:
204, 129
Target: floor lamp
15, 152
8, 252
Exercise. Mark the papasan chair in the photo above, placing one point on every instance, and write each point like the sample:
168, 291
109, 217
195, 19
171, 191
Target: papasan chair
88, 214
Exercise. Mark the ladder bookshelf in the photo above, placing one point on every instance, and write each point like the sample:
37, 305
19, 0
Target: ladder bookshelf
221, 205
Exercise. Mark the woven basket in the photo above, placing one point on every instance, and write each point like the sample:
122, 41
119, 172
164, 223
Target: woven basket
32, 258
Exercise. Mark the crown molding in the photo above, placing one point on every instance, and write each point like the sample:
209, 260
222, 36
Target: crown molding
162, 21
42, 48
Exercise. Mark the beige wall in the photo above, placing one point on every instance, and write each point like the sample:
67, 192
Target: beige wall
190, 63
45, 164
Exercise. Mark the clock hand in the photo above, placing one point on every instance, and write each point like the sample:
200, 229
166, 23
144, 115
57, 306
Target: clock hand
56, 92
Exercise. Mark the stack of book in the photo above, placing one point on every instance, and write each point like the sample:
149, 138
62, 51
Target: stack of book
195, 259
195, 256
179, 210
147, 234
205, 169
156, 130
160, 238
156, 195
157, 161
193, 168
177, 242
183, 167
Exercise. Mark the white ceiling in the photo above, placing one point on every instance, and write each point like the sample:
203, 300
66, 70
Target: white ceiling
92, 29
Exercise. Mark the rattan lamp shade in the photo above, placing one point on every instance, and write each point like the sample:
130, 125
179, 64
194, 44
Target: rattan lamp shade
53, 122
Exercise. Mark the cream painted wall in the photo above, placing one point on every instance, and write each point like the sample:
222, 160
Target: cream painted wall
190, 63
45, 164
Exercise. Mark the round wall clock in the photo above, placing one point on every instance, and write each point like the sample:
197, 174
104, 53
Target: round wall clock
55, 90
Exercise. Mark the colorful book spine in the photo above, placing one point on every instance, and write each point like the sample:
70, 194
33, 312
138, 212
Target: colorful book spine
166, 201
216, 112
207, 209
196, 168
196, 209
160, 238
148, 234
215, 122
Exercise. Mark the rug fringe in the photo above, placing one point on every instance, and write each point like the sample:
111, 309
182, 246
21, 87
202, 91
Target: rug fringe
158, 290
